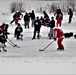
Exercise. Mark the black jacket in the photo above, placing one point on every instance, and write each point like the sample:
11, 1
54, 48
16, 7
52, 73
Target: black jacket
60, 15
17, 14
37, 24
32, 15
2, 37
18, 30
52, 24
70, 13
26, 18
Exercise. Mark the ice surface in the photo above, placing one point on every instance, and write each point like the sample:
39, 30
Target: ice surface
29, 51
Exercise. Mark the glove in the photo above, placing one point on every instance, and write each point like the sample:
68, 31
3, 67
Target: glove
54, 39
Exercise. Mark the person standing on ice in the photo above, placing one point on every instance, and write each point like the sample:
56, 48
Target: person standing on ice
51, 25
18, 32
32, 15
26, 20
70, 13
59, 17
58, 34
37, 25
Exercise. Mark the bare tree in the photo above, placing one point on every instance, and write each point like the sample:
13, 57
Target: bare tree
20, 6
72, 3
15, 6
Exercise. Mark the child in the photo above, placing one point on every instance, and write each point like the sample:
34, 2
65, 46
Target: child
51, 25
18, 32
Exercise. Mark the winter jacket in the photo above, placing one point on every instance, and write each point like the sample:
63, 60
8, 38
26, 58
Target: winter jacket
59, 16
58, 33
32, 16
17, 14
37, 24
18, 30
2, 37
26, 18
70, 13
52, 24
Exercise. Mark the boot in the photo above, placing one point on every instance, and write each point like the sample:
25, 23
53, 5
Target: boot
62, 49
58, 48
4, 50
38, 36
0, 50
33, 38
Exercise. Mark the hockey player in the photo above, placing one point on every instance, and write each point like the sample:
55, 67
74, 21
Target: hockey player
51, 25
58, 33
17, 16
18, 32
37, 25
5, 30
2, 40
59, 17
70, 13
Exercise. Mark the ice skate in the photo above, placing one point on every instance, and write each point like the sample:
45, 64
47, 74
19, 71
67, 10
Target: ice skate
4, 50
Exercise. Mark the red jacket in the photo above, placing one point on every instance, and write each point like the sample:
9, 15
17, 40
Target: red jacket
58, 33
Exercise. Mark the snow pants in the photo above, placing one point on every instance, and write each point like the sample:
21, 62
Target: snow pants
59, 22
59, 42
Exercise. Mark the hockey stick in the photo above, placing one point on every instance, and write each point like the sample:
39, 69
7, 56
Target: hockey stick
46, 46
13, 44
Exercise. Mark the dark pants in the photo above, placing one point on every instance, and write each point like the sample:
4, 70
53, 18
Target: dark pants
38, 31
18, 35
70, 19
12, 21
26, 24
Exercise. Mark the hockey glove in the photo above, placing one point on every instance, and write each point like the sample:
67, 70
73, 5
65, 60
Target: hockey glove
54, 39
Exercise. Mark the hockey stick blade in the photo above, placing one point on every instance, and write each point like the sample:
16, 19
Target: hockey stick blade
16, 46
41, 50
